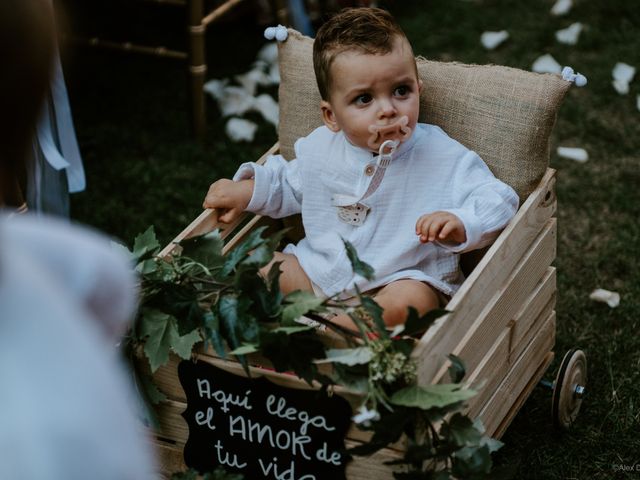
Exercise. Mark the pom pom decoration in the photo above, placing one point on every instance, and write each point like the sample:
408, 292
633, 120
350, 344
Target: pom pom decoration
577, 78
278, 33
581, 80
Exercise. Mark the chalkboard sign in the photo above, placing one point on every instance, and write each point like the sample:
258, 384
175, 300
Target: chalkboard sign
262, 430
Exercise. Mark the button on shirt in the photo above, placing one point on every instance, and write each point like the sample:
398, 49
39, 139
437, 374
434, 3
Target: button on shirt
429, 172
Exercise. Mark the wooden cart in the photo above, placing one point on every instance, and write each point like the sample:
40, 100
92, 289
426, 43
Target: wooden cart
503, 321
502, 325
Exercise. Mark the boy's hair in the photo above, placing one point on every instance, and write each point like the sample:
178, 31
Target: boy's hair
369, 30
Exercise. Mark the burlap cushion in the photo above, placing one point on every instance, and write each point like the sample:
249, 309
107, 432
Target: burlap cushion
504, 114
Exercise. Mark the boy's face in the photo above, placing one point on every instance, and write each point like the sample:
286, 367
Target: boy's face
372, 90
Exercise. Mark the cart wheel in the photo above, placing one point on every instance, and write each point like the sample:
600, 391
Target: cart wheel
569, 389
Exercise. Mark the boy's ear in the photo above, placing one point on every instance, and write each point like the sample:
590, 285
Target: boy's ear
420, 85
328, 117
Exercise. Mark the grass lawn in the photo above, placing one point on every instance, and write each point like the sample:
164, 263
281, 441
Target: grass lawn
142, 169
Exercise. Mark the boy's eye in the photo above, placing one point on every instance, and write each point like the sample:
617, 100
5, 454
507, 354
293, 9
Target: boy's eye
401, 91
362, 99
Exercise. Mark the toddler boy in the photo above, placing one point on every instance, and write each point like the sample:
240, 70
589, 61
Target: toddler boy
408, 197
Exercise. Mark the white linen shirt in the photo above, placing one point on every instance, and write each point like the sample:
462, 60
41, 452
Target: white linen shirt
429, 172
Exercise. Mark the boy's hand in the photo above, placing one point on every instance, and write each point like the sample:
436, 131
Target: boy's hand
230, 197
441, 226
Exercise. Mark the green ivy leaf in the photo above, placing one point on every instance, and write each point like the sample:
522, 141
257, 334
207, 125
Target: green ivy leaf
477, 462
295, 352
292, 330
118, 247
375, 312
147, 266
431, 396
359, 267
245, 349
299, 303
385, 431
355, 378
263, 253
273, 278
212, 331
145, 244
239, 326
205, 249
461, 431
180, 301
348, 356
183, 345
157, 326
235, 256
457, 370
161, 330
266, 301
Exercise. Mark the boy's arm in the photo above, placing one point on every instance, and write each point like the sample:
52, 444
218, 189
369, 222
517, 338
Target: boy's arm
277, 190
481, 203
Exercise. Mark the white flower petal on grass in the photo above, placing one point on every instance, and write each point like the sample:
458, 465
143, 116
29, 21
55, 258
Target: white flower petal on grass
577, 154
215, 88
239, 129
269, 53
622, 74
491, 40
267, 107
623, 71
569, 35
235, 101
620, 86
605, 296
546, 64
252, 78
561, 7
638, 102
232, 100
274, 74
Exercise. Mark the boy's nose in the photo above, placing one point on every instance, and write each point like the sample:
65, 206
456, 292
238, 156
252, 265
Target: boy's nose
386, 109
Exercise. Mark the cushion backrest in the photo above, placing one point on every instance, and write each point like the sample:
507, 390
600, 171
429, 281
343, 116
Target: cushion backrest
504, 114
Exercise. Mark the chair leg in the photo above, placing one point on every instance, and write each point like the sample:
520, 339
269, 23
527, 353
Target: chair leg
197, 67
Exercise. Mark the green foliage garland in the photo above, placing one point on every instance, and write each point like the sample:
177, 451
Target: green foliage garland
223, 301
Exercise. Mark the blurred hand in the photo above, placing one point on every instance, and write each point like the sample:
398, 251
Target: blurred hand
230, 197
441, 226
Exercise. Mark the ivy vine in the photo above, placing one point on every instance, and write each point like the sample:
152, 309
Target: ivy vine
222, 301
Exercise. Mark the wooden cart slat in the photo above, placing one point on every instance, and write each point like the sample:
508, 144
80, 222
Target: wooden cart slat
495, 366
503, 400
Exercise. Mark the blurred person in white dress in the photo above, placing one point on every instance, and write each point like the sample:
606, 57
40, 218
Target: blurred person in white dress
67, 411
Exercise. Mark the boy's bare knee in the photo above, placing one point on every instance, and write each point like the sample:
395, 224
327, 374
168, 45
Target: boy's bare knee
292, 276
397, 297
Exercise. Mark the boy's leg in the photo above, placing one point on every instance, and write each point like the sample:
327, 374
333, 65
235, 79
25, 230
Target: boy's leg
395, 298
293, 277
